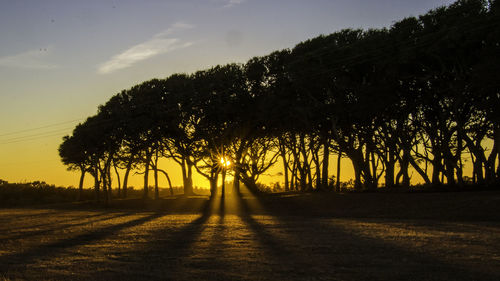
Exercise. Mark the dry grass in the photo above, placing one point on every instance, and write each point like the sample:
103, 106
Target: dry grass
248, 239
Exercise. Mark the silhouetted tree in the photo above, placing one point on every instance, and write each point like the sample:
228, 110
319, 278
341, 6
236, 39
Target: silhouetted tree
417, 96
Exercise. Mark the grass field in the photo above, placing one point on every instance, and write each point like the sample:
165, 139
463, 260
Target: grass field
428, 236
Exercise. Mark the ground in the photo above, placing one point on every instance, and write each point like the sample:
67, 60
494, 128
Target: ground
434, 236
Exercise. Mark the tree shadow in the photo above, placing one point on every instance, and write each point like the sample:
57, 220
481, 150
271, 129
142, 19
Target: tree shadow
222, 208
325, 249
64, 225
288, 263
165, 252
22, 259
211, 255
52, 222
8, 215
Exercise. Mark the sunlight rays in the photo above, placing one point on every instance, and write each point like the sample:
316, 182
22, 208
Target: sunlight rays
236, 237
225, 162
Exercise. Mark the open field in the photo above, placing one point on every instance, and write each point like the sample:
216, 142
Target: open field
431, 236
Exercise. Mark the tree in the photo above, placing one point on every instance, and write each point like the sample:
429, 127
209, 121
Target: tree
75, 158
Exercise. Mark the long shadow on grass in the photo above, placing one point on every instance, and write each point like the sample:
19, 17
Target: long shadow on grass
51, 220
64, 225
7, 214
291, 264
52, 249
329, 250
215, 261
165, 252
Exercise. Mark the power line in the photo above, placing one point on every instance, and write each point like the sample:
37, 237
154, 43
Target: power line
31, 139
37, 134
42, 127
366, 56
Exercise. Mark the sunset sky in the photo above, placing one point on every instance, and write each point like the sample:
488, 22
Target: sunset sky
59, 60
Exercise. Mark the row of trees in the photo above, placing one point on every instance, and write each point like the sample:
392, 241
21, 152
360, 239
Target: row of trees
422, 95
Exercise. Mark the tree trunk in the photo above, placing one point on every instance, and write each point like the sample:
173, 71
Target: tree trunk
373, 163
155, 174
118, 180
125, 178
389, 169
357, 165
157, 191
169, 182
294, 180
419, 170
187, 176
326, 156
478, 158
474, 167
223, 183
184, 175
170, 185
339, 159
303, 180
80, 184
104, 181
436, 169
405, 161
398, 177
306, 168
237, 166
108, 171
458, 156
450, 169
460, 176
250, 184
189, 189
285, 166
368, 176
146, 174
491, 174
498, 167
357, 177
213, 186
96, 183
236, 181
104, 185
478, 172
318, 174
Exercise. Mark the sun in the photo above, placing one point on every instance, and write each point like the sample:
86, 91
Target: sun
225, 162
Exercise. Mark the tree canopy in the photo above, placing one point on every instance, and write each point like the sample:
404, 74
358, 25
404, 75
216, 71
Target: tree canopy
423, 94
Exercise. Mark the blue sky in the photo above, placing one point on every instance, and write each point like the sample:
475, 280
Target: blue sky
60, 59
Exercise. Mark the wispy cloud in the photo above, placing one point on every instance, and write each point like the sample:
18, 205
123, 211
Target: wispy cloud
32, 59
160, 43
231, 3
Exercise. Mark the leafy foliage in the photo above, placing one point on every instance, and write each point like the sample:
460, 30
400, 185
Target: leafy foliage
419, 95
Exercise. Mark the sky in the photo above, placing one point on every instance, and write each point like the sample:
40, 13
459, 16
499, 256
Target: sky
59, 60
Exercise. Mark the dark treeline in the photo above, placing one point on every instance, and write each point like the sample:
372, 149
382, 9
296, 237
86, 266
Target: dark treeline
38, 192
422, 95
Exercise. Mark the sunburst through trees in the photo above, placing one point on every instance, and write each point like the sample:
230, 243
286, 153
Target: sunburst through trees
420, 96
